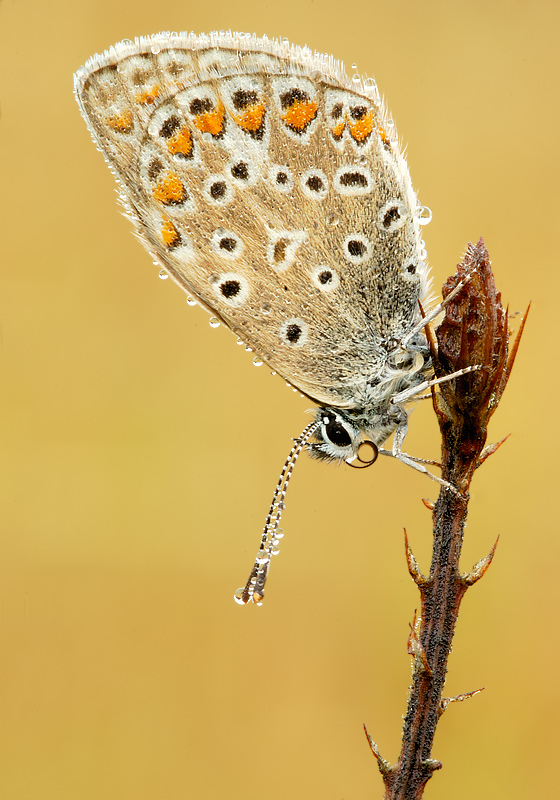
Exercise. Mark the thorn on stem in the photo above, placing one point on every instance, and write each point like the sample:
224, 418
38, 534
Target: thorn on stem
446, 701
489, 450
431, 764
479, 569
416, 649
384, 767
417, 576
514, 349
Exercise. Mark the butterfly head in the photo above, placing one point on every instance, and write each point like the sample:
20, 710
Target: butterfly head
338, 438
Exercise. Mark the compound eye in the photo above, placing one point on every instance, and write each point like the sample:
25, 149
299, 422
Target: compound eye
336, 432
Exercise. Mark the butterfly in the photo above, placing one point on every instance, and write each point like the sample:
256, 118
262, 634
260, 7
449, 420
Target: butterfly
272, 188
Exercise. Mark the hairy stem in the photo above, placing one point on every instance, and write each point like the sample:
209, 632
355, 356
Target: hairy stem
473, 333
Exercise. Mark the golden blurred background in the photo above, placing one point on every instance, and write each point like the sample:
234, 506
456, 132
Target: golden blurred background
140, 448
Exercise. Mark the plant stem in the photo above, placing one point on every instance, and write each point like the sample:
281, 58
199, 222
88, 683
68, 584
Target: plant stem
473, 333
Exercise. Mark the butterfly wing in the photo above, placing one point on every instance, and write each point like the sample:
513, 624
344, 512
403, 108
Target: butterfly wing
270, 187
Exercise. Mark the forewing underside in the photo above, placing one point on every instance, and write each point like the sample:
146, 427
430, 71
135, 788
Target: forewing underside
272, 193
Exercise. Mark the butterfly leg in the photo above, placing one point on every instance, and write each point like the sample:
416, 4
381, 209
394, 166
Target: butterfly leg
411, 461
431, 315
409, 394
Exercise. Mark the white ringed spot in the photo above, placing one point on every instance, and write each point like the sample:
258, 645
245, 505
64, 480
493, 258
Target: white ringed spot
356, 248
243, 170
293, 332
314, 184
281, 178
230, 288
325, 278
353, 180
282, 248
217, 190
393, 215
226, 243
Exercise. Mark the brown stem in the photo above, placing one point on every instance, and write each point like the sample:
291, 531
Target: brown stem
473, 332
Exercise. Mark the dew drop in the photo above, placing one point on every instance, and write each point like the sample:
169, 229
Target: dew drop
214, 322
262, 557
248, 349
266, 308
332, 220
257, 362
163, 275
274, 551
423, 215
238, 596
190, 300
155, 48
240, 341
153, 129
370, 84
354, 66
356, 79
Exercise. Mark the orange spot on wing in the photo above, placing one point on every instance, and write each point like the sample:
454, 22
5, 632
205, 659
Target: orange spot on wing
149, 96
299, 115
337, 130
360, 130
211, 121
123, 122
181, 143
383, 134
169, 234
251, 119
170, 190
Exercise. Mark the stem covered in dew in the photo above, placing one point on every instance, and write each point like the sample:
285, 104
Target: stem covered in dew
474, 331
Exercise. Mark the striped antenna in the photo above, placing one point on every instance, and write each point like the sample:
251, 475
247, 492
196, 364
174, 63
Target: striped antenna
253, 591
